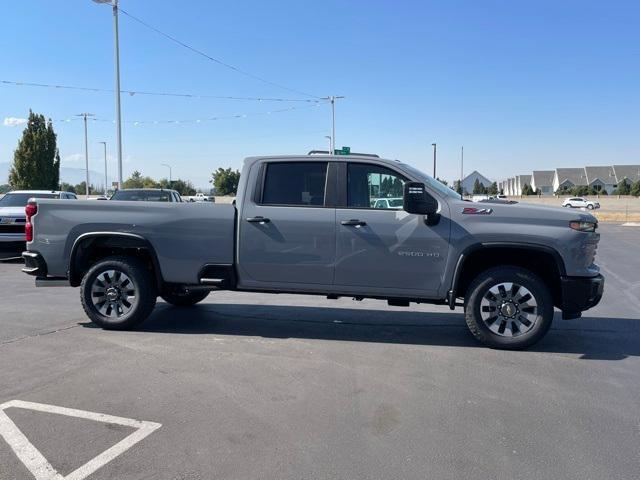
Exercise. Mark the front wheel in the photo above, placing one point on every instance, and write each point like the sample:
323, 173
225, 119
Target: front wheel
590, 207
118, 293
508, 308
185, 299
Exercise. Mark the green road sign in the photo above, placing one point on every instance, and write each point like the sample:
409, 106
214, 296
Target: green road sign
342, 151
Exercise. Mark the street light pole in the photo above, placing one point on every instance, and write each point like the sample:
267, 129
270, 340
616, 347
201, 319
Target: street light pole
169, 167
328, 137
106, 181
461, 166
434, 159
332, 99
114, 5
86, 150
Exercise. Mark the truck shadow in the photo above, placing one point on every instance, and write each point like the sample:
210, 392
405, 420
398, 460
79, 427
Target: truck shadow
591, 337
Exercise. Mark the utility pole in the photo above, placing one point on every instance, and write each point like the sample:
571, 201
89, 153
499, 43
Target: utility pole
114, 5
332, 99
86, 150
434, 159
169, 167
106, 181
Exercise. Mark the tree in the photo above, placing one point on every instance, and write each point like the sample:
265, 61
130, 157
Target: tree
635, 189
225, 181
527, 190
4, 188
479, 188
623, 189
580, 191
66, 187
457, 186
36, 161
81, 189
183, 187
442, 181
137, 180
493, 189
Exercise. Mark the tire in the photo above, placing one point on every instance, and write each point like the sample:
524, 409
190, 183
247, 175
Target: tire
590, 207
185, 299
502, 323
112, 277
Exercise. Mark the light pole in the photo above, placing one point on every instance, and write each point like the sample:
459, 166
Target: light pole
333, 99
434, 159
106, 181
461, 168
328, 137
86, 150
114, 4
169, 167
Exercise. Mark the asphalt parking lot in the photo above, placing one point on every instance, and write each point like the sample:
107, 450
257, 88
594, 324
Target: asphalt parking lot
248, 386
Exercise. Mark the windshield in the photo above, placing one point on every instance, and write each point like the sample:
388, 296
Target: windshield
142, 196
21, 199
431, 182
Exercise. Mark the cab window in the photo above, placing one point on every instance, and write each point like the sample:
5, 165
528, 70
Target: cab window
373, 186
295, 183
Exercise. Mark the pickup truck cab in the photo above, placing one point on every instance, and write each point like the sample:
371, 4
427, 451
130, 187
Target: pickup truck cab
306, 224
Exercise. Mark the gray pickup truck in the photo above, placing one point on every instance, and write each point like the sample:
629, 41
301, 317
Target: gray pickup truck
307, 224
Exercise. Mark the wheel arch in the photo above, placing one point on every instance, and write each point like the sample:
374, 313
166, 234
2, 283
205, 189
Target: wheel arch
479, 257
91, 247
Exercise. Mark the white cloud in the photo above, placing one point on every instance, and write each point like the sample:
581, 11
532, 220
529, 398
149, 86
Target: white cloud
13, 121
74, 157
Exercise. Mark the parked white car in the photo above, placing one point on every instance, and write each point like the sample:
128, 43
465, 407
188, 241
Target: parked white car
580, 202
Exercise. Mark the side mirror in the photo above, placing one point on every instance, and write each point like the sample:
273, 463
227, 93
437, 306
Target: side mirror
417, 200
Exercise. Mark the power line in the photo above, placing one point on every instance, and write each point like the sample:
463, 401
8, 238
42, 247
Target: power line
216, 60
161, 94
193, 121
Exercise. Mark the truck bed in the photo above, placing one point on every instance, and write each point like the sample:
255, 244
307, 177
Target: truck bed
184, 236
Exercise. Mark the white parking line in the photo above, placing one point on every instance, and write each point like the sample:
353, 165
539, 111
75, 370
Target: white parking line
38, 465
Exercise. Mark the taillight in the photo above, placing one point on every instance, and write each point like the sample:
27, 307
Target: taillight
30, 210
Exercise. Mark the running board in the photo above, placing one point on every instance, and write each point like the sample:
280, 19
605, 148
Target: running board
52, 282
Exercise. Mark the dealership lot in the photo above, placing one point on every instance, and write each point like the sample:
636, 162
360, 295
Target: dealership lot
299, 387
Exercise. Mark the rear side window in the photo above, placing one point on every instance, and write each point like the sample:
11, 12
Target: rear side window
295, 183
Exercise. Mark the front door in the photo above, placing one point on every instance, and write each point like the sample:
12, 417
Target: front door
287, 234
379, 247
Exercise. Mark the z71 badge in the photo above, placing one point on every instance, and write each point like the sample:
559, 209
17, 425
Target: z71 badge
476, 211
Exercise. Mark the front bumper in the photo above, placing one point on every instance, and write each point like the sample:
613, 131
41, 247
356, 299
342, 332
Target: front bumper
579, 294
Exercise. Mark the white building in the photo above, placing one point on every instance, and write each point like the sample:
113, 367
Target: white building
542, 180
567, 178
601, 178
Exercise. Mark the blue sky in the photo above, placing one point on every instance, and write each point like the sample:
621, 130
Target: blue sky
522, 85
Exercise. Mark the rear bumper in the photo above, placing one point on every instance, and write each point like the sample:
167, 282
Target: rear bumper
579, 294
12, 237
34, 264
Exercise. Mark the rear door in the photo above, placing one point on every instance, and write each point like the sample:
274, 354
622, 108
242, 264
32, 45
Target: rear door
385, 250
287, 226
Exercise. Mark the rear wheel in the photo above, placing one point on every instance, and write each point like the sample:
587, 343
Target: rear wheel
118, 293
508, 308
187, 299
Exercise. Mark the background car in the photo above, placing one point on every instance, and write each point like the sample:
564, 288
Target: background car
147, 195
580, 202
390, 203
12, 216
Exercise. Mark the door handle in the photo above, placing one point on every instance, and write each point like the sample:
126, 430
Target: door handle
353, 223
258, 220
